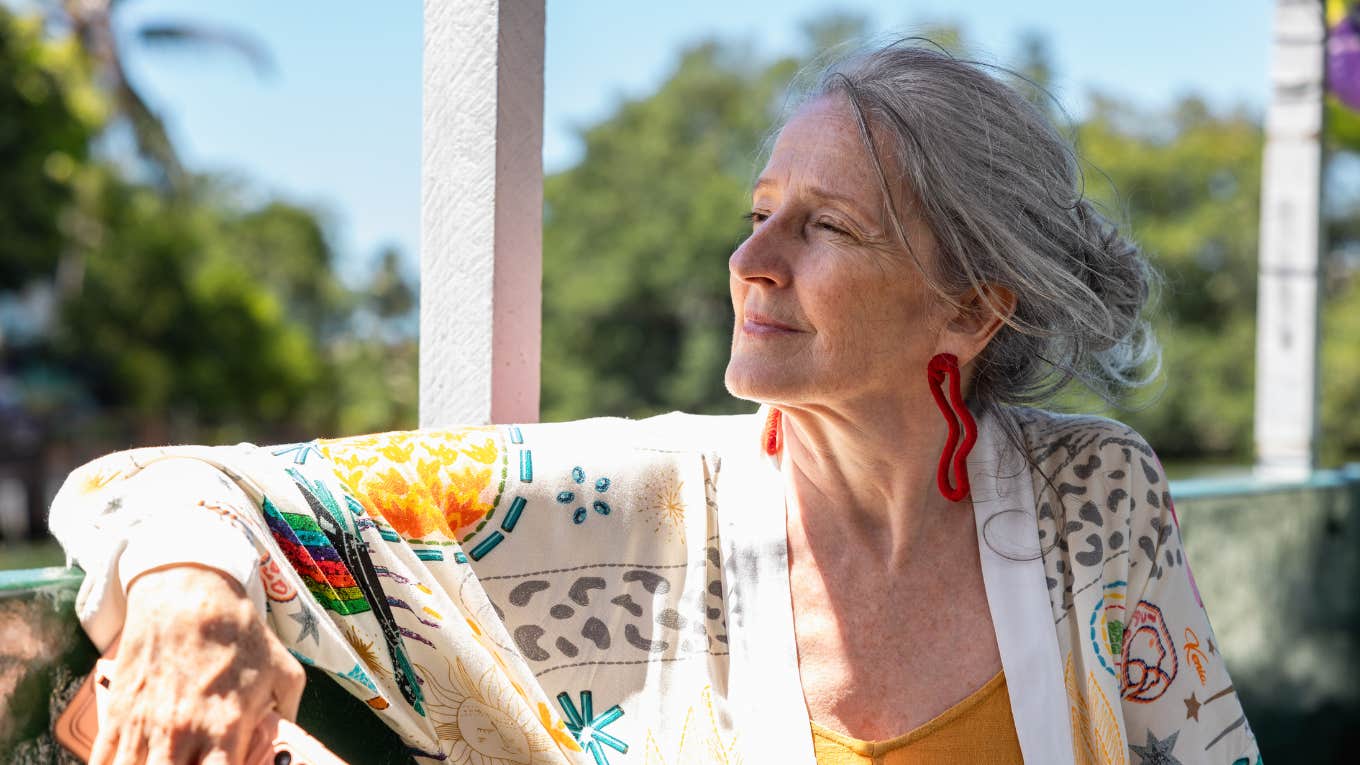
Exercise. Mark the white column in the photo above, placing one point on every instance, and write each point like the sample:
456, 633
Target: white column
1291, 188
481, 211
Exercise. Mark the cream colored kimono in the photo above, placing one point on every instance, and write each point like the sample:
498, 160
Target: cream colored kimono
611, 591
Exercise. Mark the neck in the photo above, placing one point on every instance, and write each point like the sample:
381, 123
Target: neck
865, 476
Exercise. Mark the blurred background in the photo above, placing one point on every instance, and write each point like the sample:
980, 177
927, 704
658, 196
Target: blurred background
209, 214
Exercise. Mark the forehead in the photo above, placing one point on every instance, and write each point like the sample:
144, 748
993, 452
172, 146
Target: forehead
821, 146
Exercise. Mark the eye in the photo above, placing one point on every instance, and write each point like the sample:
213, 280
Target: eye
828, 225
755, 216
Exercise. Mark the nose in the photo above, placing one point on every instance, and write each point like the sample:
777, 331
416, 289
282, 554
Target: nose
762, 258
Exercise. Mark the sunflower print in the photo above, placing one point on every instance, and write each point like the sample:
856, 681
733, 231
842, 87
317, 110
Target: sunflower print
440, 485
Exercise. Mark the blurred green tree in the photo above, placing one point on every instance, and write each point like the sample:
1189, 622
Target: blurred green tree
48, 114
1340, 321
173, 300
182, 298
1187, 181
635, 306
180, 310
92, 27
636, 315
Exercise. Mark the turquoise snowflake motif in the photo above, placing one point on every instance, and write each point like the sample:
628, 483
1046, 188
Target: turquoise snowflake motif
589, 729
299, 452
569, 497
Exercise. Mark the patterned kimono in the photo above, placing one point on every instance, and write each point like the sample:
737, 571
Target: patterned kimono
614, 591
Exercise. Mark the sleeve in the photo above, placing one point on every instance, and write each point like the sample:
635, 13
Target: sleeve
131, 512
353, 544
1178, 702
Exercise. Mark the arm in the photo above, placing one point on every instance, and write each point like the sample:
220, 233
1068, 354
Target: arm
1177, 696
132, 512
172, 577
341, 532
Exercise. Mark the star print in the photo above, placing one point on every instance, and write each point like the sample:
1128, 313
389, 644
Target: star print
308, 622
1157, 752
1192, 706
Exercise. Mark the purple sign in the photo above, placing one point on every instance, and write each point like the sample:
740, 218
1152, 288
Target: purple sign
1343, 61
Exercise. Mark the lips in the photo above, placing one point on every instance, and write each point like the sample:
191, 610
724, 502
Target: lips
759, 323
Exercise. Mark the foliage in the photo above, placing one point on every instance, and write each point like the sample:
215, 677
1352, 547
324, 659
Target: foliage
48, 114
636, 316
175, 302
168, 287
92, 27
1340, 371
189, 300
1188, 188
636, 313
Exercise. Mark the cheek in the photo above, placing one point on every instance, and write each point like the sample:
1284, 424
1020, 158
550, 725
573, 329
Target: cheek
871, 317
861, 300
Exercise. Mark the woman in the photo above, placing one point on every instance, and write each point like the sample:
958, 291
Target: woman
839, 578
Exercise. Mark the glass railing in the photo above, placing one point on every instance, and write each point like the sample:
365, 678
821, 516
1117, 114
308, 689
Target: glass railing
1192, 489
1277, 563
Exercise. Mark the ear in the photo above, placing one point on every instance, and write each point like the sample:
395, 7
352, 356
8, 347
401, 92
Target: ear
981, 313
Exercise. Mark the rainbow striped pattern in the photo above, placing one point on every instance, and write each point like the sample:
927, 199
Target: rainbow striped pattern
312, 556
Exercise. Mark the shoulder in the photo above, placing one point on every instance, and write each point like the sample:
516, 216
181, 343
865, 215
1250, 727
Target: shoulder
1085, 455
1084, 445
1080, 450
1100, 493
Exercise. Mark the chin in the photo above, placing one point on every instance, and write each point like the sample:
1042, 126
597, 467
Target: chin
762, 383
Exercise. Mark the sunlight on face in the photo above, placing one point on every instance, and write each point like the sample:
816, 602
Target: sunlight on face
830, 307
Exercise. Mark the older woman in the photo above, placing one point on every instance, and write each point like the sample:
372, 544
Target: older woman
891, 562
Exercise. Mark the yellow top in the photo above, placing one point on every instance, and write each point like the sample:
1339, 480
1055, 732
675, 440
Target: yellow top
976, 731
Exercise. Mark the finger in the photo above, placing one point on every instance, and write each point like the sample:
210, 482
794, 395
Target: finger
131, 748
182, 748
105, 745
290, 679
236, 741
159, 754
221, 728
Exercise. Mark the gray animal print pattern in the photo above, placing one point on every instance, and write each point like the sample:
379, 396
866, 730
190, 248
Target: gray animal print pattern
614, 613
1083, 534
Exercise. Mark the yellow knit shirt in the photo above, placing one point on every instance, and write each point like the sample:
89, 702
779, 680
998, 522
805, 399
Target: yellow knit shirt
976, 731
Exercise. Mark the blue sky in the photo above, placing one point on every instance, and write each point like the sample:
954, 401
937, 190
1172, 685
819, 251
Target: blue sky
337, 125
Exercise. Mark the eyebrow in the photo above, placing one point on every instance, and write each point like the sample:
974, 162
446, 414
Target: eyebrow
825, 194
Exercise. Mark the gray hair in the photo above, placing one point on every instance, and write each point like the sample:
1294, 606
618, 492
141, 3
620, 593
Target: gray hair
1002, 192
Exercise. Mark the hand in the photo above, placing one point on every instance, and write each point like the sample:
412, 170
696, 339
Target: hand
197, 670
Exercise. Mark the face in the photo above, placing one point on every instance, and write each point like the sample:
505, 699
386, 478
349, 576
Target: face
830, 306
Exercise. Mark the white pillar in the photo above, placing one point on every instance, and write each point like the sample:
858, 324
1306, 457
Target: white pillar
481, 211
1291, 188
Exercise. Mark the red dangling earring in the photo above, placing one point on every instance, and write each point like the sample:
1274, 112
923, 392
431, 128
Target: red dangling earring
955, 414
772, 438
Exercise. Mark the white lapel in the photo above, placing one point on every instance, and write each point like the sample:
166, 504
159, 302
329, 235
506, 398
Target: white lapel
765, 692
1017, 595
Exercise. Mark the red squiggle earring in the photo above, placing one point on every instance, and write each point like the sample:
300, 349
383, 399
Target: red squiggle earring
772, 437
955, 414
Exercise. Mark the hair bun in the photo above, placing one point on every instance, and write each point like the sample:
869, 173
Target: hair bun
1115, 271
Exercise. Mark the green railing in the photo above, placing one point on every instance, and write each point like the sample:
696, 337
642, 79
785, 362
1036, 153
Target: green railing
1278, 564
44, 655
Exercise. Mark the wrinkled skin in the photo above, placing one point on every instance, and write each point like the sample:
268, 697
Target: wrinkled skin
197, 670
